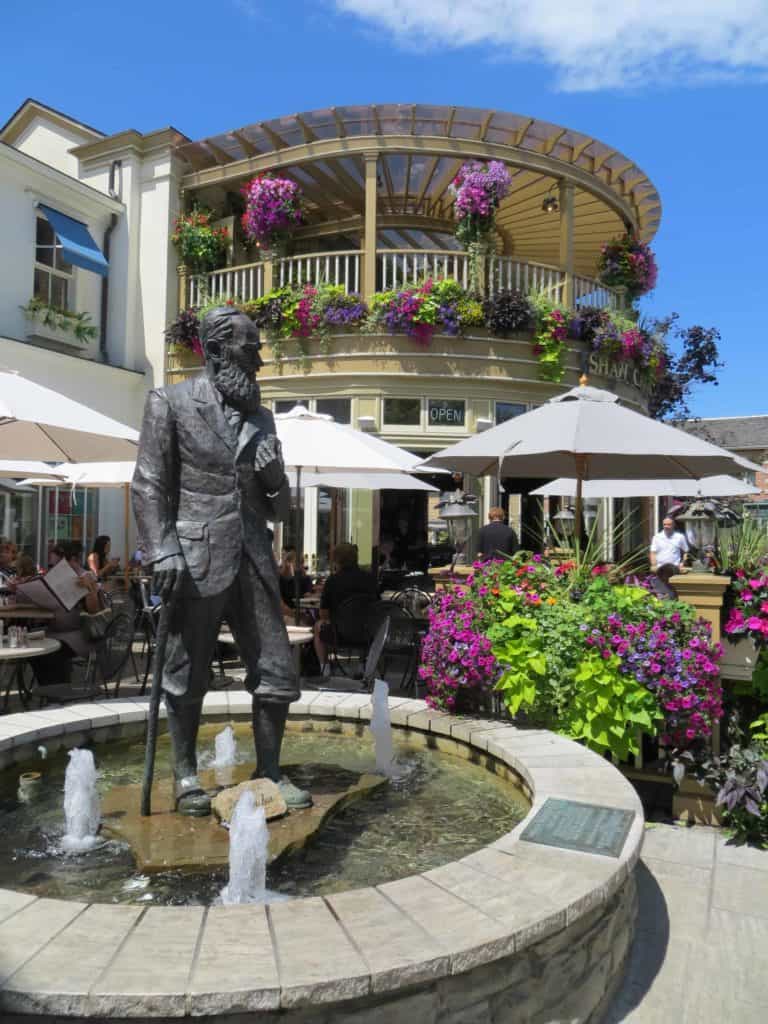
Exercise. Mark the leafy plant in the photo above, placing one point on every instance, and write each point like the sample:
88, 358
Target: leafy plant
201, 247
697, 364
78, 324
743, 547
550, 335
184, 331
508, 312
517, 647
740, 780
629, 263
273, 208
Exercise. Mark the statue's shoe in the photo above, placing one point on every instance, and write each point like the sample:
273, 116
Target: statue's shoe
295, 799
191, 798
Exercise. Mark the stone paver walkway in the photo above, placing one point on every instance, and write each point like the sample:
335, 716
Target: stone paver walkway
701, 951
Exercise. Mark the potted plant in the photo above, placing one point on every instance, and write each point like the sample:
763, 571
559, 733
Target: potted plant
183, 339
200, 246
478, 189
273, 208
628, 263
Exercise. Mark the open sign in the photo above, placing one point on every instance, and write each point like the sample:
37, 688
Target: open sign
445, 412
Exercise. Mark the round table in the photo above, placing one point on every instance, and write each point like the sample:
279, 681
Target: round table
25, 611
12, 666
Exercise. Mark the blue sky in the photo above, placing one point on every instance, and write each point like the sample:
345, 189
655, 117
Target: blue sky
677, 85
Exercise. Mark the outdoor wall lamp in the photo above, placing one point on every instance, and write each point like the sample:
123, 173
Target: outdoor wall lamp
550, 204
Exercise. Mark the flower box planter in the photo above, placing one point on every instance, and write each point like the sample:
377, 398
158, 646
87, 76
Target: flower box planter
739, 659
36, 331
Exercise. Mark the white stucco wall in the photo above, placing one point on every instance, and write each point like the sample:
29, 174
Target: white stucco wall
51, 143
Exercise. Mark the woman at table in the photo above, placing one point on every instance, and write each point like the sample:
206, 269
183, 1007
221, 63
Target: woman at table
65, 627
8, 554
99, 562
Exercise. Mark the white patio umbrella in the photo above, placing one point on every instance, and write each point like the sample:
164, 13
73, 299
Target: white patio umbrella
363, 482
316, 444
706, 487
585, 433
39, 423
11, 469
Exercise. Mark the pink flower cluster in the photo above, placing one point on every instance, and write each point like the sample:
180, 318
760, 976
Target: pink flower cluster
272, 208
674, 660
630, 263
749, 615
480, 187
457, 666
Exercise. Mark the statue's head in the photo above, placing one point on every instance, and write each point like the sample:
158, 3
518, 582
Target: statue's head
232, 346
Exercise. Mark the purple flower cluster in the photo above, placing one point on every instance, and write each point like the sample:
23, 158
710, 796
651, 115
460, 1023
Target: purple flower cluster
677, 662
617, 342
480, 187
457, 666
345, 311
630, 263
272, 207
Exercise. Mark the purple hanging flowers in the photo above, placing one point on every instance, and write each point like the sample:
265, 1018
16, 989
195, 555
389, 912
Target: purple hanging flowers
478, 188
273, 208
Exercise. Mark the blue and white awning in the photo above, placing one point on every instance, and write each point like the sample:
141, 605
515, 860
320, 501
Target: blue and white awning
78, 247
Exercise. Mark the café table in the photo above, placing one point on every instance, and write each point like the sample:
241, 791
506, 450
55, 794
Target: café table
12, 662
26, 611
297, 637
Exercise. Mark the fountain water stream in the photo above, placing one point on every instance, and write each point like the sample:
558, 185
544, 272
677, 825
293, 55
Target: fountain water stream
82, 811
248, 841
226, 748
381, 727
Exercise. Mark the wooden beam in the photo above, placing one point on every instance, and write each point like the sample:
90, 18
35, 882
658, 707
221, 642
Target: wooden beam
578, 150
426, 179
376, 121
597, 162
334, 187
443, 182
340, 126
248, 147
522, 132
553, 140
221, 156
277, 140
306, 131
407, 185
388, 183
449, 122
486, 123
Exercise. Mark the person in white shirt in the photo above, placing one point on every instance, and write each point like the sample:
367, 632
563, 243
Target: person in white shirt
668, 548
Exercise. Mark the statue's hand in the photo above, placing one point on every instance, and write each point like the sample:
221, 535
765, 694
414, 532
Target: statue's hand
167, 576
268, 463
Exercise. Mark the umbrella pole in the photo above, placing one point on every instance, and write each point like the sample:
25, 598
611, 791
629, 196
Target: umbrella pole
297, 534
581, 466
127, 515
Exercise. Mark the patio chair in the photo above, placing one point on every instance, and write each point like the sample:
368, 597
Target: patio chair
403, 637
414, 600
109, 656
349, 635
370, 670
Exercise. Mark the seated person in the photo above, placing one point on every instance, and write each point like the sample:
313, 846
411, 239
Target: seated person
99, 562
349, 580
25, 568
8, 555
65, 626
287, 578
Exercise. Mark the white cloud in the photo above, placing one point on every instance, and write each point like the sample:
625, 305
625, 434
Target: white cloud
592, 44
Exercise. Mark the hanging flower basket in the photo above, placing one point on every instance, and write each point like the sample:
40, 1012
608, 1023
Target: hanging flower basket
628, 263
478, 189
273, 209
200, 246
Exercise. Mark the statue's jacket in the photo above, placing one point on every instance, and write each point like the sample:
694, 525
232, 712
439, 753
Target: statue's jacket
195, 490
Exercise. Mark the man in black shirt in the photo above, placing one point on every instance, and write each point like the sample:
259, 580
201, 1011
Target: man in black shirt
496, 538
349, 580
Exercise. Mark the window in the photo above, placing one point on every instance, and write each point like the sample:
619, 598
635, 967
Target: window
508, 410
286, 404
339, 408
53, 275
402, 412
446, 412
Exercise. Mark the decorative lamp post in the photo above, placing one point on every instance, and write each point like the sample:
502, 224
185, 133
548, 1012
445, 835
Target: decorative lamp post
700, 524
458, 513
564, 523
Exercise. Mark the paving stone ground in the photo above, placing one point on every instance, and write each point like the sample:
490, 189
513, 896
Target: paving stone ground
701, 950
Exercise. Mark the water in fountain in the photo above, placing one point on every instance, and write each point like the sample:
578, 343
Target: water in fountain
381, 727
248, 841
226, 748
81, 803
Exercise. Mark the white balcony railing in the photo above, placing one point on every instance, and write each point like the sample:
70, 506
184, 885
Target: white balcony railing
328, 267
394, 269
397, 267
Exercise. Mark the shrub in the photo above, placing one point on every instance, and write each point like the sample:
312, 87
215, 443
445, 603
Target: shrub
508, 312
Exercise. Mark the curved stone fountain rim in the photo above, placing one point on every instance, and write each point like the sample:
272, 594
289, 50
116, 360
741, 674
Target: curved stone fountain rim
70, 958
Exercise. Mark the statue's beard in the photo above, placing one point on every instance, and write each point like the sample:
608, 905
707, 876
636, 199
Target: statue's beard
237, 387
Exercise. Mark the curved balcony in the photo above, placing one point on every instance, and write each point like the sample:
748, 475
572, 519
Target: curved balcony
394, 269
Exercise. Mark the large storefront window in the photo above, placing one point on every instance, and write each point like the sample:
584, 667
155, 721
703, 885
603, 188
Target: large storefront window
70, 514
286, 404
339, 408
402, 412
18, 519
508, 410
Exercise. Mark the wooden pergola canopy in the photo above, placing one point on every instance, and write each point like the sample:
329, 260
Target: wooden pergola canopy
418, 150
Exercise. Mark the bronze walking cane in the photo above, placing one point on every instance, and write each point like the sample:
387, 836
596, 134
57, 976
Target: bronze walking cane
154, 707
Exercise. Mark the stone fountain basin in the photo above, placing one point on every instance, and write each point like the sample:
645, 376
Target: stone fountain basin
515, 933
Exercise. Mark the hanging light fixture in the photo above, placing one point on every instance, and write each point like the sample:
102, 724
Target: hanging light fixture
551, 203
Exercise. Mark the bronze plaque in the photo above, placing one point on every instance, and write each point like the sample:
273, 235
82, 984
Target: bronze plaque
575, 826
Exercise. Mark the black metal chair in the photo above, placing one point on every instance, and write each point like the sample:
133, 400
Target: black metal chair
349, 636
110, 654
365, 684
414, 600
403, 639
